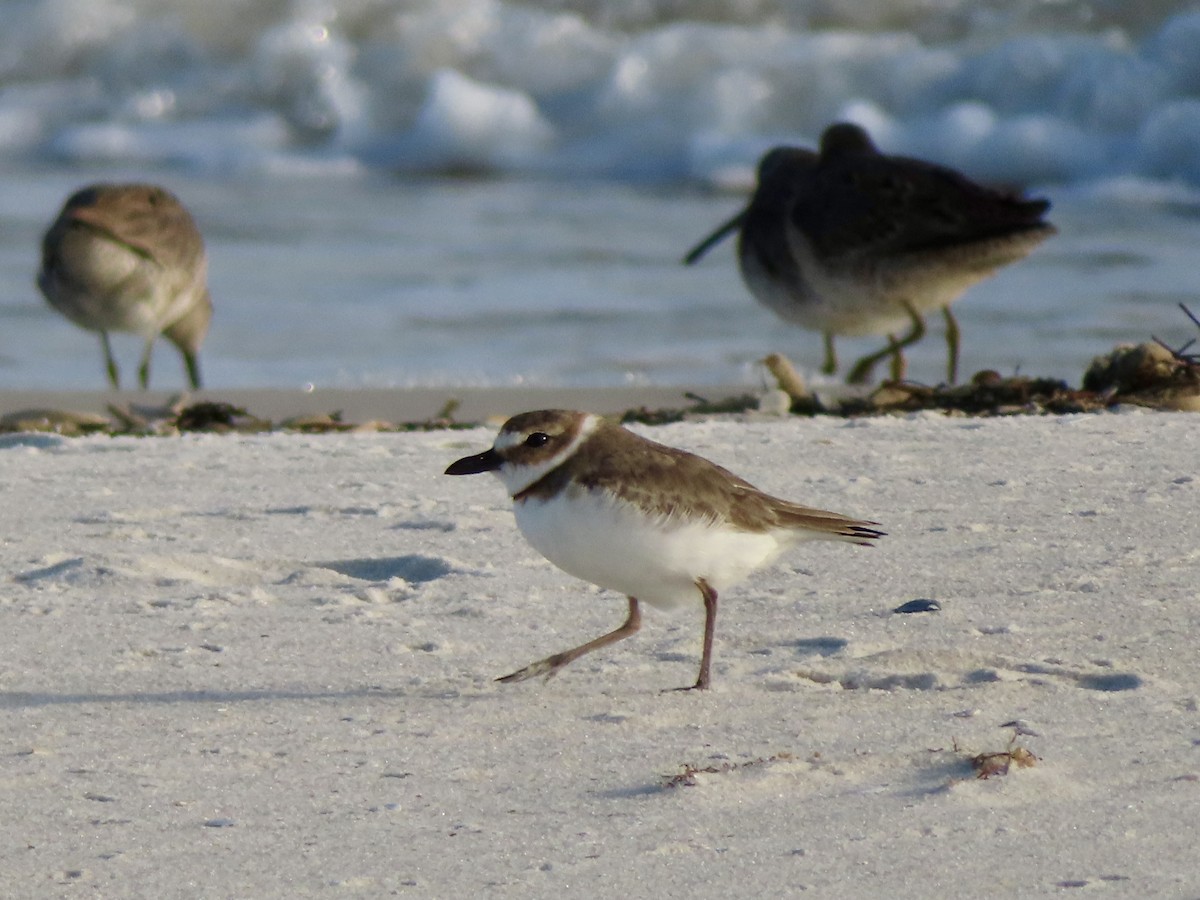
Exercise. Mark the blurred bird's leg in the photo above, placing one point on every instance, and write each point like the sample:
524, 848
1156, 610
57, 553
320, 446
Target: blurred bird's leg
952, 341
114, 377
863, 368
144, 365
829, 366
192, 364
899, 365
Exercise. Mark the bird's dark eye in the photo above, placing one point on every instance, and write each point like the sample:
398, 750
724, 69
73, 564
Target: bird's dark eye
537, 439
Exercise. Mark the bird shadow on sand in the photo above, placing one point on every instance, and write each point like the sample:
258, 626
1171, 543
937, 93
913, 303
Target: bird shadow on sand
33, 699
12, 700
818, 646
413, 568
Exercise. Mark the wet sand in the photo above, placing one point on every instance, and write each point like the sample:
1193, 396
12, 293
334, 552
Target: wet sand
475, 404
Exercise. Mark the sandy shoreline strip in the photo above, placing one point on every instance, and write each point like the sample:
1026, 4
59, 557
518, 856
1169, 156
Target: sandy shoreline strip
476, 404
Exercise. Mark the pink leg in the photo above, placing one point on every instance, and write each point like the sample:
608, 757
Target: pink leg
551, 664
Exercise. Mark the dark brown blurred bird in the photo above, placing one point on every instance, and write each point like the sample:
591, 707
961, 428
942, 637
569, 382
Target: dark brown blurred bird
850, 241
128, 257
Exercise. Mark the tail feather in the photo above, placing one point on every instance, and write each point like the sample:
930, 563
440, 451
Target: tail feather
832, 526
863, 534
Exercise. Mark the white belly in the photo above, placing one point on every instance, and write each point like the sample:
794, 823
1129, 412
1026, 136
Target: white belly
611, 544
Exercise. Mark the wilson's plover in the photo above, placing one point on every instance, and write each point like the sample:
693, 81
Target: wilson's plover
850, 241
128, 257
660, 525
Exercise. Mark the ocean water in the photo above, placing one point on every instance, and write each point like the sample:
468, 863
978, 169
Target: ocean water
491, 192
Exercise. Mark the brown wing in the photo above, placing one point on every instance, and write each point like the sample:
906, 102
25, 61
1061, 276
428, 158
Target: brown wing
859, 200
148, 220
671, 483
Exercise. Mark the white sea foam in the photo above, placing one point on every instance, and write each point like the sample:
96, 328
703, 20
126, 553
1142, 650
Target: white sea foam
1049, 93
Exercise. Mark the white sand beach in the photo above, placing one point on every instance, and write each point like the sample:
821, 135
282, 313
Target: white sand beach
262, 666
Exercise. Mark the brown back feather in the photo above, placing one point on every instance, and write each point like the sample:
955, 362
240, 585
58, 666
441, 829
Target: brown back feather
674, 484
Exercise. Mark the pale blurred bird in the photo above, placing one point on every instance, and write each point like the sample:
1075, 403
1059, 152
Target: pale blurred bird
850, 241
128, 257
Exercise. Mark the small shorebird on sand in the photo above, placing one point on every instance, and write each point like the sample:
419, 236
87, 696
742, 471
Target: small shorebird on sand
658, 524
128, 257
850, 241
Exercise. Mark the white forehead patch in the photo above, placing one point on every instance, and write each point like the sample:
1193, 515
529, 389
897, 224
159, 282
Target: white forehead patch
506, 439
